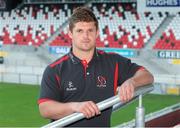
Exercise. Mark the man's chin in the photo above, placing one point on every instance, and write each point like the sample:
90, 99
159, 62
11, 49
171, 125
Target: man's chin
87, 49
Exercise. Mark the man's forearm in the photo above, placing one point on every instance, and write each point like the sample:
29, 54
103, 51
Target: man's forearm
55, 110
142, 77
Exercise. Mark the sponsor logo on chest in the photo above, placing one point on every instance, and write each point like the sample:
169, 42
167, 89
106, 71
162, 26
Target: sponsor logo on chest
71, 87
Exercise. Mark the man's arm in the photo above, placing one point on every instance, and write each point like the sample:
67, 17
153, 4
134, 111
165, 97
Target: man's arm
56, 110
140, 78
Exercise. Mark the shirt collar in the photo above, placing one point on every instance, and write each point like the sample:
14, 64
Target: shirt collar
76, 60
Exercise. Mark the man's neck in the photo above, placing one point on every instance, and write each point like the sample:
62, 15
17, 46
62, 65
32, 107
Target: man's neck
84, 55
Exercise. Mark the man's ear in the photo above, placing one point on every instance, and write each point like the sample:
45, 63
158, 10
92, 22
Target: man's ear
70, 33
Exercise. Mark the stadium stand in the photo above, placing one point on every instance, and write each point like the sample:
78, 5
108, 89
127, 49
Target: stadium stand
120, 25
170, 38
33, 24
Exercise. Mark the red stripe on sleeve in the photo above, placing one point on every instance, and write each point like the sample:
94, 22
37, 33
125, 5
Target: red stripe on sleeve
115, 78
141, 68
59, 61
58, 80
43, 100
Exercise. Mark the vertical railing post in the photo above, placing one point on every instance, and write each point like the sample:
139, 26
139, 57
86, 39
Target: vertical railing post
140, 112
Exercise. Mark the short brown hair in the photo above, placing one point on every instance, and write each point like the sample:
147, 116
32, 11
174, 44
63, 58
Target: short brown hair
82, 14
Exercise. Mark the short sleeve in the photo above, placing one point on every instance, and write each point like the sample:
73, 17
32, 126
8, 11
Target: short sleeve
126, 69
50, 85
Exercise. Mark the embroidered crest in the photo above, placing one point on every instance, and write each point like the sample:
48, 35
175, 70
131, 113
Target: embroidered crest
101, 81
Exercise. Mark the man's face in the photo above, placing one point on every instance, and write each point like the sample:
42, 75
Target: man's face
84, 36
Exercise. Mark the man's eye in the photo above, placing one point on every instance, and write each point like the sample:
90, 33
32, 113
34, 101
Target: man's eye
79, 30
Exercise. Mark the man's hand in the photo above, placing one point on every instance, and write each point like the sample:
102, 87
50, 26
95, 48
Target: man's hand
126, 90
88, 108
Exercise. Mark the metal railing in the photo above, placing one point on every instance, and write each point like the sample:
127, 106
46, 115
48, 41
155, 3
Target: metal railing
115, 100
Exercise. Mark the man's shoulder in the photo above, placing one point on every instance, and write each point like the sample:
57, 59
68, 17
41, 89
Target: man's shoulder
59, 61
108, 54
112, 56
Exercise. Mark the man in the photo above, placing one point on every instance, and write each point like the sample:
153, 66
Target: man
86, 76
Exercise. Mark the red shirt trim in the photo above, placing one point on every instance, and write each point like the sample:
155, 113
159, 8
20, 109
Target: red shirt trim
59, 61
141, 68
85, 65
58, 80
43, 100
116, 78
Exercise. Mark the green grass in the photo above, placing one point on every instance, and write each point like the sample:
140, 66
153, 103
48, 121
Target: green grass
18, 106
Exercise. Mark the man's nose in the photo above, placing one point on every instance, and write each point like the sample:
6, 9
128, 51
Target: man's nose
86, 34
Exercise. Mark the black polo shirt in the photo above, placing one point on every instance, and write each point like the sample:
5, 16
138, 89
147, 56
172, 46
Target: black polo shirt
70, 79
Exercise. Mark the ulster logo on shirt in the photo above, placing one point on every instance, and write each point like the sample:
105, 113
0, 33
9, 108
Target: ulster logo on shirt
101, 82
71, 86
